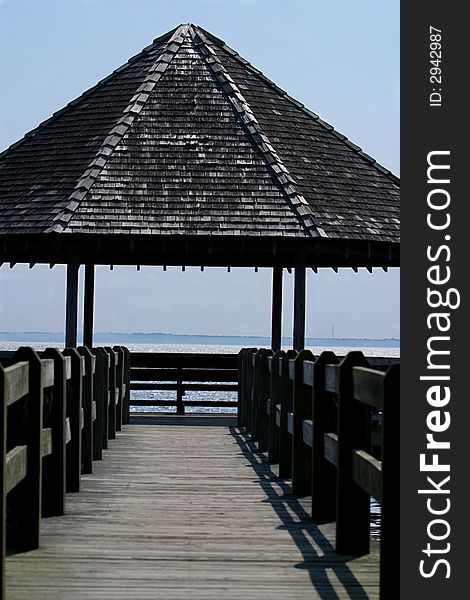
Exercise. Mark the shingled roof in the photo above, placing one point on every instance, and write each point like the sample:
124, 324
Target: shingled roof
188, 138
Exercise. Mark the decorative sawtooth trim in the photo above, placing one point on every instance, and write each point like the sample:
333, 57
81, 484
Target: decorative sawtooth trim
299, 205
115, 136
87, 92
393, 178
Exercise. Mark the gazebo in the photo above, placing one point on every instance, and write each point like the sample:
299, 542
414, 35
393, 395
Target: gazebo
188, 155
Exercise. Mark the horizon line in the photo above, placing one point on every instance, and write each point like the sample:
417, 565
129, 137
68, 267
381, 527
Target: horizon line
202, 335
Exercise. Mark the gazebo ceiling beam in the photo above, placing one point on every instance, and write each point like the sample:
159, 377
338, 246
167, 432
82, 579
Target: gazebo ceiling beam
172, 251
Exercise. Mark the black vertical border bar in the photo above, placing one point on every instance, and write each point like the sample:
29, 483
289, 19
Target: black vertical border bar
424, 129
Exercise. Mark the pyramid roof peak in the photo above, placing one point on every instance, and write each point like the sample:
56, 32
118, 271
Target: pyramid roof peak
188, 137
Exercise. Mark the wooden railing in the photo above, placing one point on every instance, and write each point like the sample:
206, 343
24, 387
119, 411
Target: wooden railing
58, 411
315, 418
183, 372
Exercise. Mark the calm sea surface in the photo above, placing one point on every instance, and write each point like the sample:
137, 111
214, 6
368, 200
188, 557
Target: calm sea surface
201, 349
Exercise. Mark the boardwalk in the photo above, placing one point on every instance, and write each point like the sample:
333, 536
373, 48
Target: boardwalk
181, 508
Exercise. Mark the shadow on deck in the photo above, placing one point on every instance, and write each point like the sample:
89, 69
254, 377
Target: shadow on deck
326, 568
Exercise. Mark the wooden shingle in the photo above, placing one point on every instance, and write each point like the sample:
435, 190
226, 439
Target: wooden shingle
188, 138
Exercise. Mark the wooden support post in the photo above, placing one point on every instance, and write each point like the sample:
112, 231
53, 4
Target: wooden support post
273, 429
98, 398
241, 387
3, 478
119, 384
179, 392
88, 308
74, 413
107, 398
127, 384
24, 501
112, 394
302, 409
102, 397
249, 370
299, 306
390, 517
263, 379
324, 421
254, 396
285, 437
53, 466
71, 308
353, 503
87, 404
276, 315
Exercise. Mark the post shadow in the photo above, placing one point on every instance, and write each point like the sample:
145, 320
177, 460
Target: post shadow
306, 534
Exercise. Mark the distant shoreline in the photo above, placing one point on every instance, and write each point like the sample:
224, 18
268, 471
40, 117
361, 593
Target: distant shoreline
171, 338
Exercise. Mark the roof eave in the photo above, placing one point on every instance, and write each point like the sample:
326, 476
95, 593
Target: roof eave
197, 250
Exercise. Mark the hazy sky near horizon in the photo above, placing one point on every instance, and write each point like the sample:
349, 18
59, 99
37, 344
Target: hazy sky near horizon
341, 59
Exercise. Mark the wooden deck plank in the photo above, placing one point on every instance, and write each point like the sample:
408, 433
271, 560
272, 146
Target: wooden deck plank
186, 511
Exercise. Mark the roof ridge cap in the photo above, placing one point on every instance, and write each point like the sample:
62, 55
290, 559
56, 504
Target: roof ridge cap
298, 204
389, 174
122, 126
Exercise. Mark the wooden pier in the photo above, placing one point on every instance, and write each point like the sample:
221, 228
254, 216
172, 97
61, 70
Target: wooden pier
174, 506
186, 509
129, 174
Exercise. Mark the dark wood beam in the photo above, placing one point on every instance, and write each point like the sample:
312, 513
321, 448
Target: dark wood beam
88, 305
220, 252
299, 306
276, 314
71, 307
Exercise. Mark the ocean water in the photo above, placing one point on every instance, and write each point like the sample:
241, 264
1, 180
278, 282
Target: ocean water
369, 351
202, 349
215, 395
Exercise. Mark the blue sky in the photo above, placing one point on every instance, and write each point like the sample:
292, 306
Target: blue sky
340, 58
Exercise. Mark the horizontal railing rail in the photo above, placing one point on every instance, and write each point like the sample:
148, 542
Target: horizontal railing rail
331, 423
182, 373
58, 411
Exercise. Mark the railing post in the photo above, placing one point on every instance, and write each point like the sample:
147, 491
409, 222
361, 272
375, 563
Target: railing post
119, 384
285, 438
324, 420
254, 396
390, 521
241, 387
54, 466
107, 395
302, 409
112, 393
273, 433
24, 501
353, 503
74, 413
100, 439
262, 398
3, 479
249, 371
127, 383
87, 403
179, 392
